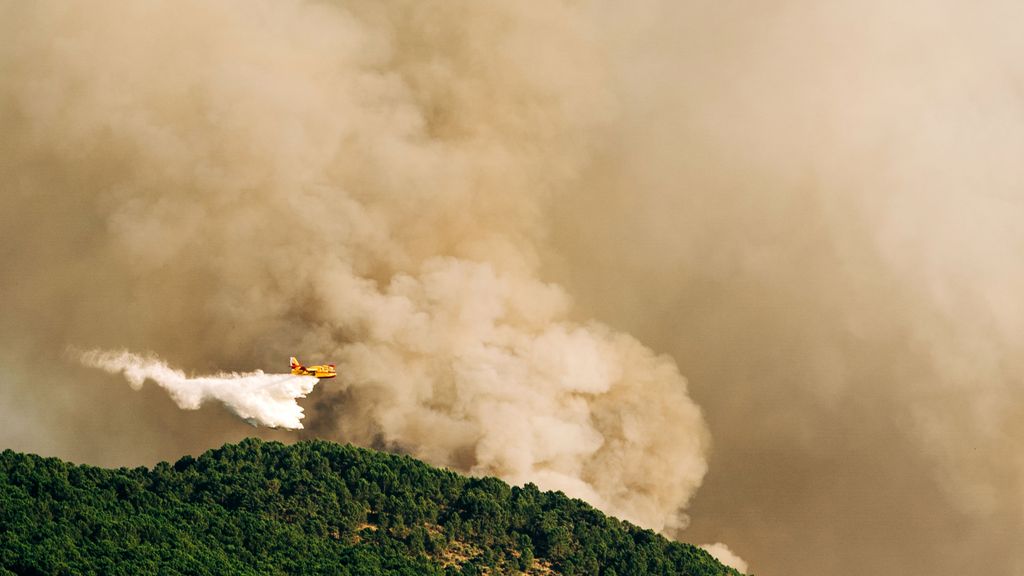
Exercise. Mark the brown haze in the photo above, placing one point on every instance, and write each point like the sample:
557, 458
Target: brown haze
813, 207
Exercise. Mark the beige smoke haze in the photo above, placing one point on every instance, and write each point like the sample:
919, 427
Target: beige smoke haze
813, 207
357, 182
723, 554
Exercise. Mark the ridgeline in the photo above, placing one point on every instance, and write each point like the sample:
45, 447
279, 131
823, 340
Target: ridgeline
310, 508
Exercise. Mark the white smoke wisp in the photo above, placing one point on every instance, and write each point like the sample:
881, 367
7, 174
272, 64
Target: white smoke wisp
723, 554
259, 398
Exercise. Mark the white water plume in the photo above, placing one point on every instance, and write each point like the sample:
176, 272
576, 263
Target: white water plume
258, 398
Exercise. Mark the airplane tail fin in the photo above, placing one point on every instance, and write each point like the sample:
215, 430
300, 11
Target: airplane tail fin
295, 362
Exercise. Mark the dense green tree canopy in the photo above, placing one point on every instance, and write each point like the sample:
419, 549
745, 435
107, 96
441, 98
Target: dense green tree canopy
310, 508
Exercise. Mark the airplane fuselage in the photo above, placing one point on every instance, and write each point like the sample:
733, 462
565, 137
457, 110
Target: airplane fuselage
320, 370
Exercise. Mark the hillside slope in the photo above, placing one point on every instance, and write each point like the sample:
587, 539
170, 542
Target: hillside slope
310, 508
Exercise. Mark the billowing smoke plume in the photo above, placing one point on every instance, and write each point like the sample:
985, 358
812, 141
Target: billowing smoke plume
814, 207
258, 398
354, 181
478, 370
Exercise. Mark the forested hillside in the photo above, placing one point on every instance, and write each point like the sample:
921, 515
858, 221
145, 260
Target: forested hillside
310, 508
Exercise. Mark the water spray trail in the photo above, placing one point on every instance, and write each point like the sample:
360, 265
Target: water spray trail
258, 398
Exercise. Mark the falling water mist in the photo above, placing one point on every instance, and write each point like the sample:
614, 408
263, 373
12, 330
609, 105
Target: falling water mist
258, 398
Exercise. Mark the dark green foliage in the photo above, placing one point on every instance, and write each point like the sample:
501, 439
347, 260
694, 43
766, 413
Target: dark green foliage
311, 508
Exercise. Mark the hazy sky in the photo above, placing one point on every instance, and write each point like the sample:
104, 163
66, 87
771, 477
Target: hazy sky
754, 266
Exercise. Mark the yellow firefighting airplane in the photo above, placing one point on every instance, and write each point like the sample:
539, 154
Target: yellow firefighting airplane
322, 371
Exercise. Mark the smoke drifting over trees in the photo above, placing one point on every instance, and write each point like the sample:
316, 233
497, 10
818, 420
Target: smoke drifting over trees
497, 218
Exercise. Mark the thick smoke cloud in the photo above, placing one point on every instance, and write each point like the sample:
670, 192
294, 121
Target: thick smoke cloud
812, 207
823, 202
363, 183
